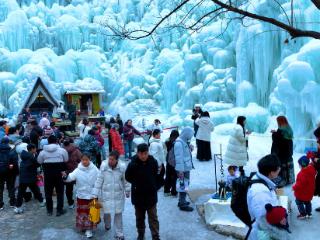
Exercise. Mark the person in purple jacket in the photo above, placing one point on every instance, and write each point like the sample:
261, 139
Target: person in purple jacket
128, 135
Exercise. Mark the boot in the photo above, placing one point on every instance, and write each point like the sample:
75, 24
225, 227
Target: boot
141, 236
186, 208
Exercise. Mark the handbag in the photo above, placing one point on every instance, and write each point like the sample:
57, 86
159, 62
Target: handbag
94, 211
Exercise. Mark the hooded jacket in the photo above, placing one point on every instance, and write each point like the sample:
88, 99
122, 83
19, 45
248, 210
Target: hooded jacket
182, 151
156, 149
28, 168
116, 141
85, 178
112, 185
305, 184
74, 155
8, 157
205, 128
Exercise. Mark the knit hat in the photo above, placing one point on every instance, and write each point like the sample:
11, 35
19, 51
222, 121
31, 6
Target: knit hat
304, 161
275, 214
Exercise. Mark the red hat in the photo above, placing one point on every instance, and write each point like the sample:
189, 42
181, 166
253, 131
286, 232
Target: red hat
275, 214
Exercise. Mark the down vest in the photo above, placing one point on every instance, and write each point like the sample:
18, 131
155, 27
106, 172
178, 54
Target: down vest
85, 178
112, 185
236, 154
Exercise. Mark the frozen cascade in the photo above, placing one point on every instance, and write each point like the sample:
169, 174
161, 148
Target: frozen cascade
249, 69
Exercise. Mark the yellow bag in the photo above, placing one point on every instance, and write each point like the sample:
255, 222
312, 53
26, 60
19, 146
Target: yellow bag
94, 212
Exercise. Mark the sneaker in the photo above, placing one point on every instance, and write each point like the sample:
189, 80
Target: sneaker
88, 234
309, 216
186, 208
301, 217
184, 204
71, 206
18, 210
60, 213
43, 203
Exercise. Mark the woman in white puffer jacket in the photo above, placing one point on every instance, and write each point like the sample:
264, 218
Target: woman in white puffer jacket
113, 187
85, 176
236, 154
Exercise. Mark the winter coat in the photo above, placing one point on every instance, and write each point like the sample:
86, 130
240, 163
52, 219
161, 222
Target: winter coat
236, 154
74, 155
8, 157
205, 128
305, 184
99, 139
90, 145
129, 132
116, 141
35, 135
83, 130
156, 149
85, 178
182, 152
281, 146
28, 168
44, 122
266, 231
143, 177
14, 138
113, 186
258, 196
53, 153
2, 133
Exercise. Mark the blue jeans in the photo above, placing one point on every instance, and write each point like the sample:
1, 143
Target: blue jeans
304, 208
128, 148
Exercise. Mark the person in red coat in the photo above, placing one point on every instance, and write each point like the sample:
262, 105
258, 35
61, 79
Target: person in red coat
304, 187
116, 141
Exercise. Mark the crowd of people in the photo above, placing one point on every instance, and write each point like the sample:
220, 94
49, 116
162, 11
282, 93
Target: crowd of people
113, 177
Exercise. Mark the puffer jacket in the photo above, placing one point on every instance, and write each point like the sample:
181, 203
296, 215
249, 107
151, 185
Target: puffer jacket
28, 168
53, 153
305, 184
116, 141
156, 149
113, 186
205, 128
74, 157
236, 154
265, 231
258, 196
85, 178
182, 151
8, 157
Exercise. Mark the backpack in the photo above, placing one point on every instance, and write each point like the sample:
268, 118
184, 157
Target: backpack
239, 205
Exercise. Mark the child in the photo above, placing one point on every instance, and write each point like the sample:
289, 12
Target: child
274, 225
304, 188
232, 174
28, 177
85, 176
111, 181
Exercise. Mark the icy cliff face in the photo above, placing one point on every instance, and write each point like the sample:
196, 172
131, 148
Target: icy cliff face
65, 43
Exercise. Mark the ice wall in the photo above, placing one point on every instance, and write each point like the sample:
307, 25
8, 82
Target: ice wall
66, 43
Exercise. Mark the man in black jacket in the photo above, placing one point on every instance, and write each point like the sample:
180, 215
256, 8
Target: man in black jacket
8, 171
142, 173
28, 177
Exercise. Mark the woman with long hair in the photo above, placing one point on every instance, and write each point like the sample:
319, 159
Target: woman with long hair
236, 154
282, 146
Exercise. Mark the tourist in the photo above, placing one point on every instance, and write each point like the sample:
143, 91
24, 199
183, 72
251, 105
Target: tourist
184, 165
304, 187
156, 150
74, 156
56, 131
156, 125
101, 113
85, 176
35, 133
8, 171
196, 113
116, 140
44, 121
26, 114
120, 122
128, 135
28, 177
90, 145
109, 125
53, 159
282, 146
113, 187
236, 154
14, 135
142, 173
84, 128
260, 194
170, 181
232, 174
203, 137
